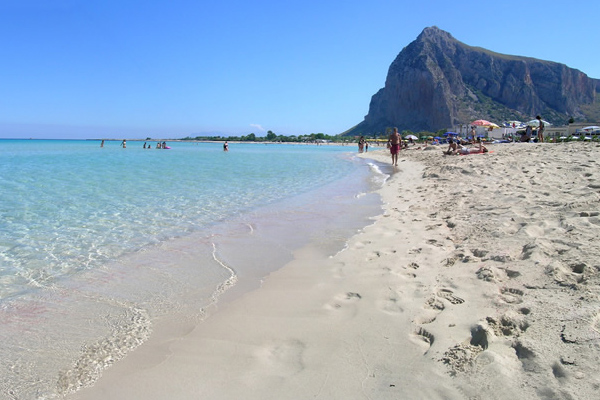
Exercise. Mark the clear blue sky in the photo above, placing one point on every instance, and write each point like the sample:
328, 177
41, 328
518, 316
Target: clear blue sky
132, 69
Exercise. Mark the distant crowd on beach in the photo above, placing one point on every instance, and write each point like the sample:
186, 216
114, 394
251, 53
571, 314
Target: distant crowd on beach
472, 144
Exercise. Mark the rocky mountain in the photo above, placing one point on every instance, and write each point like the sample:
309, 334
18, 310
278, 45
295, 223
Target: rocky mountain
437, 82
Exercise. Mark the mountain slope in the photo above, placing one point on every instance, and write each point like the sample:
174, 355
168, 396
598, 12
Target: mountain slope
437, 82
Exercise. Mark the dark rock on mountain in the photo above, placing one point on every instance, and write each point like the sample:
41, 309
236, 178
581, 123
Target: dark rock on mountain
437, 82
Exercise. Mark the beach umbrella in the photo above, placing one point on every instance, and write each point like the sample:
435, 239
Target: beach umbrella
413, 137
535, 122
482, 122
591, 128
450, 134
438, 138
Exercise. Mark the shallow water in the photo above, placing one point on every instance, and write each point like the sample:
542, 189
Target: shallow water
97, 245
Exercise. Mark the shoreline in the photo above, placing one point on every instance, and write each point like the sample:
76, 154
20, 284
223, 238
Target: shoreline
479, 279
87, 319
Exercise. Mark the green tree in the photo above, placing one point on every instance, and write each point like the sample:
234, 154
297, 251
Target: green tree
271, 136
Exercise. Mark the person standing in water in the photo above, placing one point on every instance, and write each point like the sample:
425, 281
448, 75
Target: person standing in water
124, 143
361, 144
225, 146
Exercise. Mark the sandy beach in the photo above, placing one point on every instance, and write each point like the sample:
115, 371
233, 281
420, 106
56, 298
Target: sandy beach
480, 280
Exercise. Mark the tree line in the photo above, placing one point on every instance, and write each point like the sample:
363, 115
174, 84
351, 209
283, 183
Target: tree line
310, 138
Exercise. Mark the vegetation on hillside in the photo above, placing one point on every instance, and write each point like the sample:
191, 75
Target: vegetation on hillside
592, 111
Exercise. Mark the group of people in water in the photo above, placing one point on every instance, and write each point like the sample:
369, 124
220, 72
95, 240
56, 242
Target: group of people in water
363, 145
159, 145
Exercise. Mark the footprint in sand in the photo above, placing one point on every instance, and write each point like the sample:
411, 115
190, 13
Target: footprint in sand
458, 256
432, 227
374, 255
390, 303
427, 317
527, 357
581, 330
512, 296
449, 295
379, 253
487, 273
434, 242
435, 304
423, 338
512, 274
344, 303
508, 324
413, 265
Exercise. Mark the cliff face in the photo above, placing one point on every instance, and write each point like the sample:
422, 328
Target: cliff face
437, 82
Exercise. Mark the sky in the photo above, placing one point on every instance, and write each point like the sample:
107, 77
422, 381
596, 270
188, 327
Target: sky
178, 68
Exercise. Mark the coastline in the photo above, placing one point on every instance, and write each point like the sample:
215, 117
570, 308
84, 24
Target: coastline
172, 248
478, 278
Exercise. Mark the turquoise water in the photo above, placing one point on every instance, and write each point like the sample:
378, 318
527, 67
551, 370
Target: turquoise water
70, 205
98, 245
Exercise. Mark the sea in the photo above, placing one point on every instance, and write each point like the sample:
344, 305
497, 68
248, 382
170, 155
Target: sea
101, 247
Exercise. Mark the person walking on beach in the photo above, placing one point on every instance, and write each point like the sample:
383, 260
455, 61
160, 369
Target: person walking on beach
394, 145
540, 132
